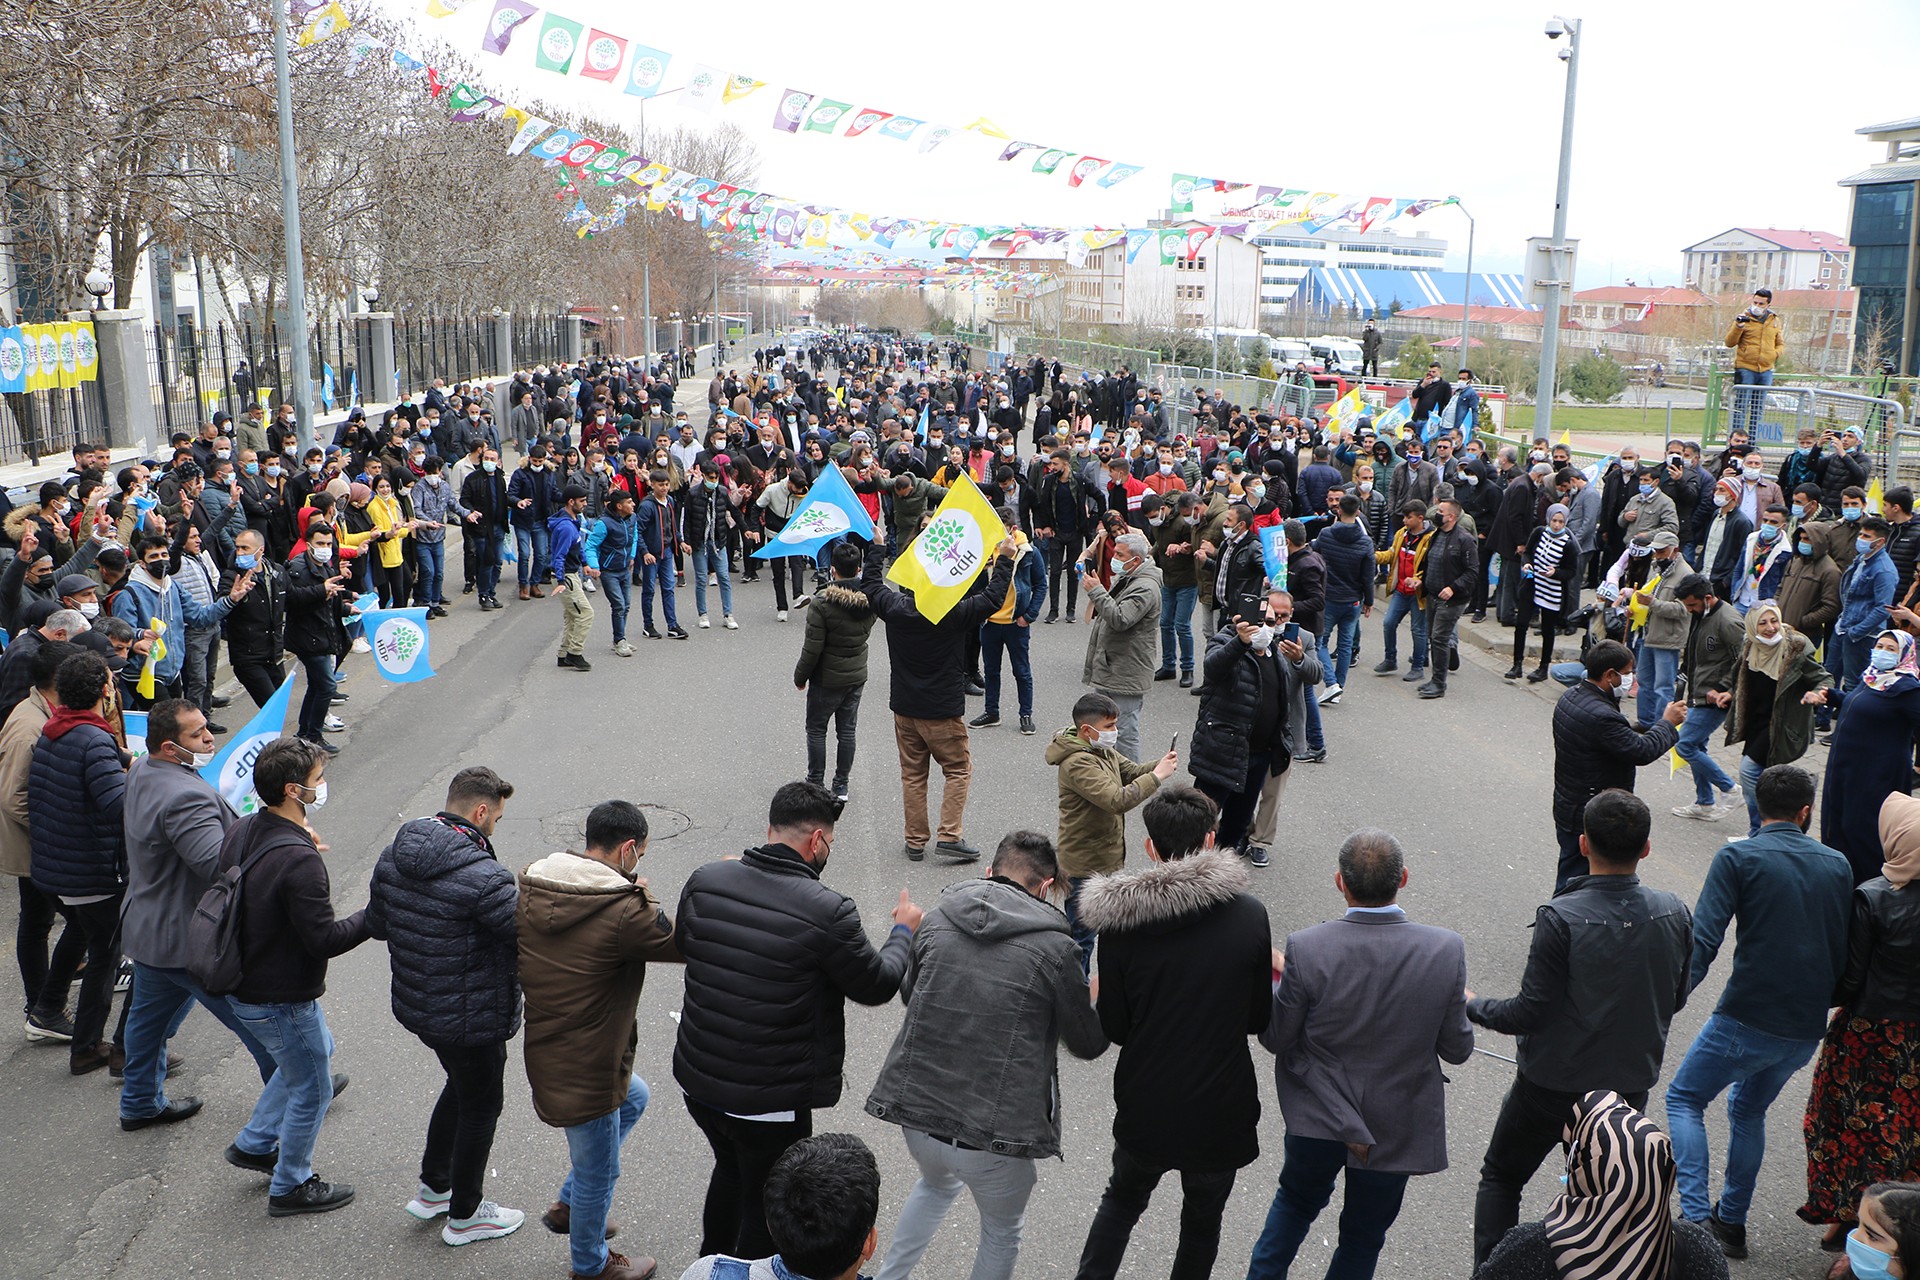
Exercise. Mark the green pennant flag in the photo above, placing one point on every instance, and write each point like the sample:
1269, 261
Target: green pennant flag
1173, 247
1181, 200
1048, 161
559, 38
826, 114
461, 96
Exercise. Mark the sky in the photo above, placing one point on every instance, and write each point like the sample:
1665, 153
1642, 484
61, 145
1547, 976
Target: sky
1692, 117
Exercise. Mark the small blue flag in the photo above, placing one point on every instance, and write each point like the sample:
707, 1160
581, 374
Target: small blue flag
1273, 548
400, 643
830, 510
231, 771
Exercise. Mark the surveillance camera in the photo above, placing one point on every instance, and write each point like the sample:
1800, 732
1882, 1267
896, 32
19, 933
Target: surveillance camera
1566, 55
1555, 28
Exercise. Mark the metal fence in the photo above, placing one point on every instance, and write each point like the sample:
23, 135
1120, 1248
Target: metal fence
36, 424
1729, 405
195, 373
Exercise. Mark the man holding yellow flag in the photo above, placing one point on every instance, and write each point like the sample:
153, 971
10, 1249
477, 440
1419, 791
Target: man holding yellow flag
928, 615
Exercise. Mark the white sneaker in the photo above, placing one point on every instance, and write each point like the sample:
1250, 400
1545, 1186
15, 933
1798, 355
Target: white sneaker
1734, 799
1330, 695
591, 587
800, 602
333, 724
1700, 812
782, 615
360, 645
704, 624
489, 1222
624, 649
729, 623
428, 1204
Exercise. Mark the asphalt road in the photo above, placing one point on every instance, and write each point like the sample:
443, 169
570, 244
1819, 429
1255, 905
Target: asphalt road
702, 732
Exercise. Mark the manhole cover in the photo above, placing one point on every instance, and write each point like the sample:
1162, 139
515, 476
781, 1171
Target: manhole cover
567, 828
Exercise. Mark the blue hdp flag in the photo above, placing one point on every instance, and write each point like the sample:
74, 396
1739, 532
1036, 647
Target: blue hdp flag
1273, 548
231, 771
830, 510
400, 643
925, 409
326, 385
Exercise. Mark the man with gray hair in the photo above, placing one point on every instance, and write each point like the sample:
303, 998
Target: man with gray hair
1125, 618
1365, 1008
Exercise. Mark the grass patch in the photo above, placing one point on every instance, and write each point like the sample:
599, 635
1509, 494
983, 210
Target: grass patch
1611, 419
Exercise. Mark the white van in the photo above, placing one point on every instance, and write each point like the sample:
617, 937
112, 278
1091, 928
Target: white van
1337, 354
1287, 352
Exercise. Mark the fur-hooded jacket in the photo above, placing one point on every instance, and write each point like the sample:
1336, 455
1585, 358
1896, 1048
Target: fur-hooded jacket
1186, 967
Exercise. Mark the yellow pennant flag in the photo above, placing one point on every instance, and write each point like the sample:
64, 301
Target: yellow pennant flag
1566, 437
1875, 494
146, 685
1674, 762
940, 564
1636, 611
983, 125
739, 86
324, 25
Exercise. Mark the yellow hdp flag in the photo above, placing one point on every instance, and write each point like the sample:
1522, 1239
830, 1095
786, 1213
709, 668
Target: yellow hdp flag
1874, 495
739, 86
940, 564
1674, 762
43, 365
1566, 437
1346, 407
69, 372
983, 125
86, 350
324, 25
1636, 611
146, 686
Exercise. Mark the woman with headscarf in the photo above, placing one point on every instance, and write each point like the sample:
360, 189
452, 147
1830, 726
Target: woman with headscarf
1887, 1242
1863, 1115
1615, 1219
1776, 685
1548, 587
1872, 755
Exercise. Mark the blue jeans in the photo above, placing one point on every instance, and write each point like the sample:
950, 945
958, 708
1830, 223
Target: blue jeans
594, 1148
618, 585
1708, 776
1401, 606
160, 1001
1343, 622
489, 546
532, 547
302, 1048
1654, 674
1176, 623
707, 557
318, 697
1751, 1067
430, 572
660, 576
998, 636
1306, 1184
1750, 770
1749, 405
1083, 937
1316, 736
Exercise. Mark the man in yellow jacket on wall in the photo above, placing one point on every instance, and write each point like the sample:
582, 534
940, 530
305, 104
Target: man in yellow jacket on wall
1757, 341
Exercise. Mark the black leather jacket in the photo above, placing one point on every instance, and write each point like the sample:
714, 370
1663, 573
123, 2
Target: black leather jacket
1882, 978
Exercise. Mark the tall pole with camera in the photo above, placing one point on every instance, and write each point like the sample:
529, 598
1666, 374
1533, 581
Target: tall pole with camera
1550, 309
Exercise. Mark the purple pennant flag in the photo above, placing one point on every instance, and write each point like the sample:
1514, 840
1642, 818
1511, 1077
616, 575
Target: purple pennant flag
790, 110
507, 18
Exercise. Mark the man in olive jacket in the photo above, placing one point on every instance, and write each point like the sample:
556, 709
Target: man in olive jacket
587, 929
990, 965
1126, 623
832, 667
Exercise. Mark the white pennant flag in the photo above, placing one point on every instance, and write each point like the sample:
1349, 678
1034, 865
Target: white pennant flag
532, 129
705, 87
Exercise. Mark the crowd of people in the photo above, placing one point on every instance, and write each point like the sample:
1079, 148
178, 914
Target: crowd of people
122, 586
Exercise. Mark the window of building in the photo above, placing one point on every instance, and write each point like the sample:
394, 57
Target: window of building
1882, 215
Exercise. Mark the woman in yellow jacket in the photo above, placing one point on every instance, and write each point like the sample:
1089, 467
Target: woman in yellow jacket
392, 525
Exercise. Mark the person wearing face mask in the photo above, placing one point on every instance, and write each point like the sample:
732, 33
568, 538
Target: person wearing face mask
1866, 595
435, 506
1726, 539
318, 604
1777, 683
1757, 491
1124, 618
175, 824
288, 932
153, 600
257, 625
1762, 565
1872, 752
199, 579
1844, 467
1452, 569
483, 497
533, 495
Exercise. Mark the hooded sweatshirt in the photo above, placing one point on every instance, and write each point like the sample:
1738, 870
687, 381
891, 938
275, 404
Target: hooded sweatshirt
586, 933
1348, 552
1097, 787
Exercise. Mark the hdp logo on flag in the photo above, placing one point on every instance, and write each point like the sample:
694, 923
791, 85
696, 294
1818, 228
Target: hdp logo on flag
231, 771
1395, 418
940, 564
830, 510
399, 640
1273, 549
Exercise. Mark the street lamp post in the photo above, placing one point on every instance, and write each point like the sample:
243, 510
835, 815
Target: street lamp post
1550, 311
1466, 298
290, 217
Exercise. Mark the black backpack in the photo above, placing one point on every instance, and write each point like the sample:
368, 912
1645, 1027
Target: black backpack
213, 934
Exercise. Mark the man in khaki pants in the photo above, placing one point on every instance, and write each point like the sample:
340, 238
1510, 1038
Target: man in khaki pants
566, 534
928, 695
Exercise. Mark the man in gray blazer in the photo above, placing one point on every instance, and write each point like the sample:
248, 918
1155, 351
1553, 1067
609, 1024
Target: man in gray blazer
175, 822
1363, 1009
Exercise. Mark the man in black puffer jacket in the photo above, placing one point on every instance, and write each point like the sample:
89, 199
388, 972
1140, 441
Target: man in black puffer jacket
445, 907
772, 956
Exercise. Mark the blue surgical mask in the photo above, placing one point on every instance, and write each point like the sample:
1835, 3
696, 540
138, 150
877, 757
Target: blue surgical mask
1882, 659
1867, 1262
246, 562
1852, 513
1862, 545
1769, 533
1646, 491
253, 468
1806, 548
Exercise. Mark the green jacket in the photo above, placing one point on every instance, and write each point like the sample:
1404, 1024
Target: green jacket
1097, 787
1176, 568
911, 506
1715, 642
1123, 633
1790, 730
834, 652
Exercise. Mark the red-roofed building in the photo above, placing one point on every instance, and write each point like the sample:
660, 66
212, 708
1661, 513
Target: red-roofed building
1743, 259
